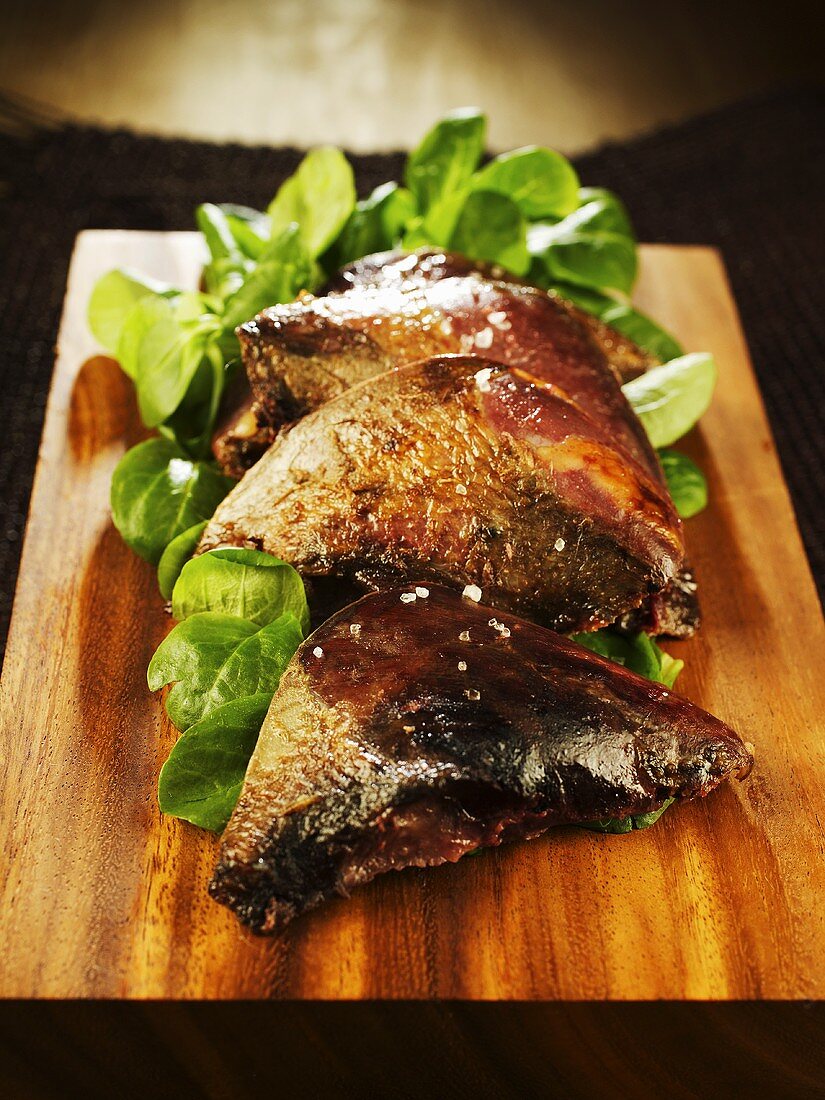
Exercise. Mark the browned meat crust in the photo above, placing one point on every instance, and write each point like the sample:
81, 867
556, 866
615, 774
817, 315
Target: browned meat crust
463, 471
429, 265
400, 307
303, 353
302, 385
410, 731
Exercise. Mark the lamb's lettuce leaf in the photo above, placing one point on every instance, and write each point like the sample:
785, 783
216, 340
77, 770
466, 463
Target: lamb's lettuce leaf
670, 399
490, 227
376, 224
541, 182
283, 268
592, 247
202, 778
446, 158
158, 492
112, 299
627, 824
176, 555
247, 583
319, 198
637, 652
213, 659
686, 482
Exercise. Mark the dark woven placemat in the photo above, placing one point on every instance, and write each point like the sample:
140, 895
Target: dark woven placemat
749, 179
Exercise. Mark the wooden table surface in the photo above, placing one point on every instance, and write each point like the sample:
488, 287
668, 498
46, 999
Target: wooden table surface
100, 896
374, 74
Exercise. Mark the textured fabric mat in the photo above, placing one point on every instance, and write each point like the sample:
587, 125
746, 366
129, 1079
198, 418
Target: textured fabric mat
749, 179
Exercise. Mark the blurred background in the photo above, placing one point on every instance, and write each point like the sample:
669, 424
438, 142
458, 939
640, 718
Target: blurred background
373, 74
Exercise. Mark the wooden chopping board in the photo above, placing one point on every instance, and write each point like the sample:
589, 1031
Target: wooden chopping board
100, 896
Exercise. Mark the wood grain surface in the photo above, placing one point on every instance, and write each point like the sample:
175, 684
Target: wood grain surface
102, 897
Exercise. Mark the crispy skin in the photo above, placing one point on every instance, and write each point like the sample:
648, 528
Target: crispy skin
462, 471
410, 733
242, 438
304, 353
301, 354
429, 265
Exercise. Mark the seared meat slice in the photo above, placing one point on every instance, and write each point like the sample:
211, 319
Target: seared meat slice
416, 726
303, 353
461, 470
429, 265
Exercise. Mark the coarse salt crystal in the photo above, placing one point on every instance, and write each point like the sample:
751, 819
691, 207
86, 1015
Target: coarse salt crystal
505, 632
497, 317
473, 693
318, 651
559, 544
355, 628
467, 342
482, 378
408, 729
461, 489
408, 597
471, 591
422, 592
464, 636
484, 339
462, 666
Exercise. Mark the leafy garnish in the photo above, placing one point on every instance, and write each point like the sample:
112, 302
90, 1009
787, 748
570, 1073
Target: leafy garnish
592, 247
213, 659
541, 182
627, 824
112, 300
375, 225
176, 555
670, 399
444, 162
637, 652
492, 228
202, 778
248, 583
244, 614
157, 492
319, 199
686, 482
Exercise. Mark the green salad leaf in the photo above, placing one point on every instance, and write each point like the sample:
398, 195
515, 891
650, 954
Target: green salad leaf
637, 652
446, 158
113, 298
319, 198
670, 399
627, 824
250, 228
592, 247
175, 556
250, 584
167, 350
686, 482
491, 227
375, 225
214, 659
541, 182
283, 268
158, 492
202, 778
